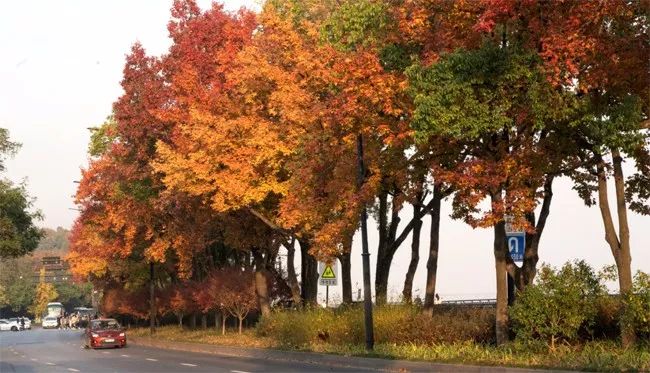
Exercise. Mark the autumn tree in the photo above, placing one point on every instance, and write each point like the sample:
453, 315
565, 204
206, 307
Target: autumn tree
494, 101
180, 301
237, 294
599, 53
45, 293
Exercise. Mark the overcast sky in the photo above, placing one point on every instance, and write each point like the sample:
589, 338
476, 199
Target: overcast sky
59, 74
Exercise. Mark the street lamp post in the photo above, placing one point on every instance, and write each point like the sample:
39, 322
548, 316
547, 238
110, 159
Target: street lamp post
152, 301
367, 295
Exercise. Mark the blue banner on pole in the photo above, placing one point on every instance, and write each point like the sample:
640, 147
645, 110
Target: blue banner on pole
516, 242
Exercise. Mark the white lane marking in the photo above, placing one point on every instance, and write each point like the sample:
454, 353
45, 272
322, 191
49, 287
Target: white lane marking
124, 355
15, 353
105, 352
149, 359
23, 356
73, 369
50, 363
239, 371
33, 359
188, 364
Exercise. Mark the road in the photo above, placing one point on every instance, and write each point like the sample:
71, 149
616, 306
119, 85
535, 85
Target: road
41, 350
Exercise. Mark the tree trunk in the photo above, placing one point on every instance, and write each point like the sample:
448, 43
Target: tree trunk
241, 321
204, 321
390, 241
524, 275
407, 292
193, 321
291, 273
434, 245
180, 320
152, 300
500, 253
346, 277
309, 274
223, 323
261, 284
387, 233
217, 316
619, 244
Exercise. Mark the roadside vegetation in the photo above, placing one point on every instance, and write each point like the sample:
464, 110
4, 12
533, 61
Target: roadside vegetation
566, 320
258, 140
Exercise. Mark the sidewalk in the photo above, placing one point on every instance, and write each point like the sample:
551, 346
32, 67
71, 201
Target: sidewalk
334, 361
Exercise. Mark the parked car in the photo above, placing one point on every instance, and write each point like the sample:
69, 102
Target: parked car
27, 325
9, 325
50, 322
104, 333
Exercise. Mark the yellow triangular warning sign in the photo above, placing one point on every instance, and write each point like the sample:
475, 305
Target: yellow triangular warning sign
328, 273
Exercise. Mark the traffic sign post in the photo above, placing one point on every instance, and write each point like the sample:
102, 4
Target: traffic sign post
327, 277
516, 245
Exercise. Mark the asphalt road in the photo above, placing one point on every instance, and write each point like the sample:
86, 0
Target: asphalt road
39, 350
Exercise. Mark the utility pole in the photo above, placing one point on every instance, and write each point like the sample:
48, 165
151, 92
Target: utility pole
152, 302
367, 295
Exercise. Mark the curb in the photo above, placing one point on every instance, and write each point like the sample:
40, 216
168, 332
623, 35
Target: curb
330, 360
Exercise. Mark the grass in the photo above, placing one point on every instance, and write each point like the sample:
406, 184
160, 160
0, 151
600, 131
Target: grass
603, 356
248, 338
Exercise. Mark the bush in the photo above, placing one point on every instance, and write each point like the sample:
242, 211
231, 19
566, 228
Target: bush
559, 304
638, 302
392, 324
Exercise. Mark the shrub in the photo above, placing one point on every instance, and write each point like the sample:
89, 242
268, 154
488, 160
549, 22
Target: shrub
638, 302
559, 304
392, 324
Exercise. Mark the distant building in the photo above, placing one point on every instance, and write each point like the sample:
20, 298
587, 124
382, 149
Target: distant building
57, 270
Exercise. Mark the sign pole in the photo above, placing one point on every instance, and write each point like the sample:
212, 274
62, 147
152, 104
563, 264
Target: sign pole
367, 296
327, 296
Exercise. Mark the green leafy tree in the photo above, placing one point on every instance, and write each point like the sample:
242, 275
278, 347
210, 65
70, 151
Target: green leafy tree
74, 295
7, 147
16, 276
54, 240
18, 234
559, 304
638, 301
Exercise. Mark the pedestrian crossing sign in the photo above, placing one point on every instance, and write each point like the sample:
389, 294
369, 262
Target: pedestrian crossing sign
328, 273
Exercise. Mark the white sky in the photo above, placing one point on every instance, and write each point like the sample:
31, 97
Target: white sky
59, 74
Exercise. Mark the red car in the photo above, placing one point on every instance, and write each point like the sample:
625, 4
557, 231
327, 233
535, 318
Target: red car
104, 333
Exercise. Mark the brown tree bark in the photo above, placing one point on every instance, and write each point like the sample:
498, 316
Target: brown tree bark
500, 264
261, 283
524, 275
390, 241
204, 321
309, 273
217, 321
619, 244
193, 321
407, 291
292, 279
346, 277
434, 246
